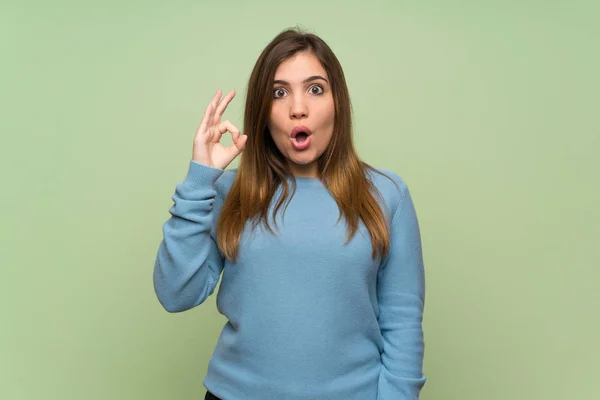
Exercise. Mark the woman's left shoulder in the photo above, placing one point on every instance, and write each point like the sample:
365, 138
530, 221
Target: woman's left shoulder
387, 180
390, 184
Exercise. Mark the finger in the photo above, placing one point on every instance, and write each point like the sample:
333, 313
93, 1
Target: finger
209, 112
215, 102
223, 105
206, 117
228, 126
239, 145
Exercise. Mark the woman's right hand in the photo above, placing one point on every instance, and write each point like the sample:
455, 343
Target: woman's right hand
207, 147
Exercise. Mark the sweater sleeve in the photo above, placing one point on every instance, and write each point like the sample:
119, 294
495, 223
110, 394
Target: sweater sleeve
188, 263
401, 297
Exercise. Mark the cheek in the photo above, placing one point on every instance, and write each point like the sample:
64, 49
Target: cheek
332, 111
329, 119
328, 116
276, 117
276, 128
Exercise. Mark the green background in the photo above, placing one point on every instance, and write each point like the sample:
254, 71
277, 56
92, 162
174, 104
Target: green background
489, 111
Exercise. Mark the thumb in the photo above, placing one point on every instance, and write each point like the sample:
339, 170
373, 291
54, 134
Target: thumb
239, 145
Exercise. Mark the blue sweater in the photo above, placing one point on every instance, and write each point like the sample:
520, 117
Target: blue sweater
309, 318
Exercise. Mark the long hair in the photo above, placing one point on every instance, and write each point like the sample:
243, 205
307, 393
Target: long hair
263, 169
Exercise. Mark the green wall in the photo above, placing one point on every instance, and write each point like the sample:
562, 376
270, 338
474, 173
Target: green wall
489, 110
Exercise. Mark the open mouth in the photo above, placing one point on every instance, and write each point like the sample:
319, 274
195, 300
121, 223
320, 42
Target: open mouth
301, 137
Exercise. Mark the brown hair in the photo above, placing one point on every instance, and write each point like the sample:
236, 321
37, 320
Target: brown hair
263, 168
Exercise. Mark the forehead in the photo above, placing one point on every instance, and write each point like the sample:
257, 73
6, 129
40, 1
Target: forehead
300, 66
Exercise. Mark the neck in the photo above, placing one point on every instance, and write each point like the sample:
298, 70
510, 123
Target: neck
304, 170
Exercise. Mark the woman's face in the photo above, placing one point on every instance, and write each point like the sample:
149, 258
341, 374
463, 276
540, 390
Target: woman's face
302, 101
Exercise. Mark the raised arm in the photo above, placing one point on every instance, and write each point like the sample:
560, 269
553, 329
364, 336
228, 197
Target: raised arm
188, 263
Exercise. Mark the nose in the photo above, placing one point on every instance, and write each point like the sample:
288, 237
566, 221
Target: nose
298, 108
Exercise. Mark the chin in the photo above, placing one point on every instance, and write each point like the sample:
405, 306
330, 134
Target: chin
303, 159
303, 162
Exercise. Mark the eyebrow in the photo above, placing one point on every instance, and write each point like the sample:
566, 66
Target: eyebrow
309, 79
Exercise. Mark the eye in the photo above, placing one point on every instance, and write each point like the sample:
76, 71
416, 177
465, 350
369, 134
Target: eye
319, 91
278, 91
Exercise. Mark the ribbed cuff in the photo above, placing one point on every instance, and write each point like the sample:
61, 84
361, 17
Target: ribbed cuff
200, 175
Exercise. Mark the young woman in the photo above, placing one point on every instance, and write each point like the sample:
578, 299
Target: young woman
320, 254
